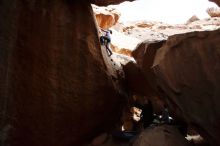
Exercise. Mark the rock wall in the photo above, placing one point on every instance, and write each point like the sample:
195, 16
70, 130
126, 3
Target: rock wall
54, 87
185, 74
213, 11
187, 71
106, 17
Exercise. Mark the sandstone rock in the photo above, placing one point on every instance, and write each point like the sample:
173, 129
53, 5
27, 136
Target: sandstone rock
122, 43
213, 12
106, 17
144, 55
187, 71
192, 19
145, 25
127, 35
55, 89
161, 136
184, 75
121, 59
134, 79
145, 52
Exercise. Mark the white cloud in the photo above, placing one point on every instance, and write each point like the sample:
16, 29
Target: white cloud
169, 11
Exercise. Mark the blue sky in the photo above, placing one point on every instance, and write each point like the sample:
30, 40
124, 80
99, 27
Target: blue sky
169, 11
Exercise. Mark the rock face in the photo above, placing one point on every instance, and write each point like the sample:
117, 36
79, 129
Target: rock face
108, 2
126, 36
106, 17
144, 55
192, 19
187, 71
54, 87
214, 12
161, 136
185, 74
140, 77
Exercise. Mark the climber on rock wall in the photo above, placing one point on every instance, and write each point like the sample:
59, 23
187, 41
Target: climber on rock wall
106, 40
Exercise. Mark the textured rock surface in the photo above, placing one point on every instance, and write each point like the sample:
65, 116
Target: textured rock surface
106, 17
126, 36
213, 12
54, 87
185, 74
144, 55
161, 136
108, 2
192, 19
187, 71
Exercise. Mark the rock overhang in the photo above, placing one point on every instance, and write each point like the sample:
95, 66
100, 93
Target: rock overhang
108, 2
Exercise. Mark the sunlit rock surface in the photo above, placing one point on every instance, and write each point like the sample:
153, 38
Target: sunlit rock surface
126, 36
55, 88
213, 12
106, 17
193, 18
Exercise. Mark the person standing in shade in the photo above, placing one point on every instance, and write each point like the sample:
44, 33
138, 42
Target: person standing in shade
147, 115
165, 115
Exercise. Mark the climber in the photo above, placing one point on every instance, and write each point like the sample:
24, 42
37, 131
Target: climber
147, 113
106, 40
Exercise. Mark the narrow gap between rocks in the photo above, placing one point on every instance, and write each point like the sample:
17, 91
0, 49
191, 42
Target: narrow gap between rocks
150, 116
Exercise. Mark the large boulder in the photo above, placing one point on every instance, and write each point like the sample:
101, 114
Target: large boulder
55, 89
184, 72
213, 11
187, 71
161, 136
140, 77
193, 19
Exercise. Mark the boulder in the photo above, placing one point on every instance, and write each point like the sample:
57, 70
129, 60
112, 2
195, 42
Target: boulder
213, 11
193, 18
161, 136
145, 81
55, 89
184, 73
186, 70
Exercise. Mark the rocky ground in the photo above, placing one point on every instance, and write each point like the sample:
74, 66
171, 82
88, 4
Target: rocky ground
127, 35
161, 135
